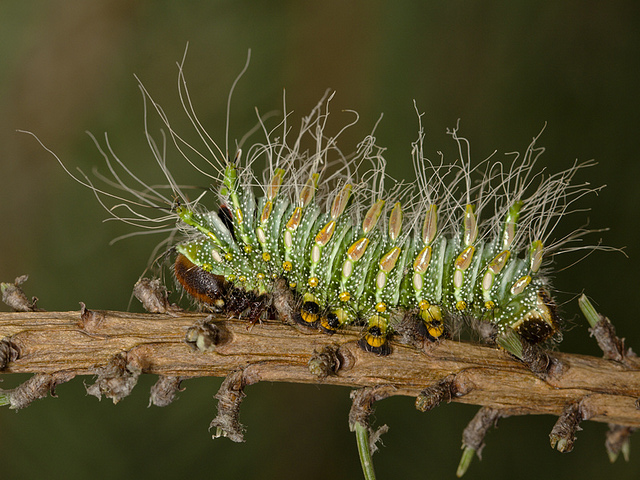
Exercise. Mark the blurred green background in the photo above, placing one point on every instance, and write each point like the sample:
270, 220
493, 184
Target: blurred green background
503, 68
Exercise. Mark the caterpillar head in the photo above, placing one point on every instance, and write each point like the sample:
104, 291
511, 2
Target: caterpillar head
203, 286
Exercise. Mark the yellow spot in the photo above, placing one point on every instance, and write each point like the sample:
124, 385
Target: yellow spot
219, 303
287, 266
274, 275
345, 296
228, 256
231, 277
248, 249
292, 284
207, 267
266, 256
461, 305
242, 278
424, 305
313, 282
489, 305
381, 307
260, 276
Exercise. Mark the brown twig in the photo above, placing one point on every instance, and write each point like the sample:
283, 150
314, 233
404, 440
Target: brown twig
83, 344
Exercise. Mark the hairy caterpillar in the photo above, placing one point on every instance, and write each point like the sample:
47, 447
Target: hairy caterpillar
345, 244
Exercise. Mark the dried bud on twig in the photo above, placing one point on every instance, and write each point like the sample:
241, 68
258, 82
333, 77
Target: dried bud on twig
33, 389
164, 391
115, 379
230, 398
15, 297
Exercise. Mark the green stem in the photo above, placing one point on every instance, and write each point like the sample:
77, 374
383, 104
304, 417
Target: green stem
362, 437
467, 455
588, 310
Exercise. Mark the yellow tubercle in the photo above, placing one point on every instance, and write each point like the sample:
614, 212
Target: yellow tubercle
381, 307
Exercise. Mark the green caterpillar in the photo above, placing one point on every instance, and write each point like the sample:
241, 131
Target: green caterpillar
328, 239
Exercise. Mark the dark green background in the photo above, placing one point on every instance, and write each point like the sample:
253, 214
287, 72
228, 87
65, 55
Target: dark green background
504, 68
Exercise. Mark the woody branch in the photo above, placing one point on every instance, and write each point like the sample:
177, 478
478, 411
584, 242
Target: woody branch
65, 344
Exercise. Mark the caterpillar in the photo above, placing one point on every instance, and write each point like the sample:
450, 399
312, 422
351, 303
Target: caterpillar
328, 239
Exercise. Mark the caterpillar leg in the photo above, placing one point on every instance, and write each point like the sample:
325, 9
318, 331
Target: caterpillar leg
431, 325
329, 323
375, 339
257, 306
308, 315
